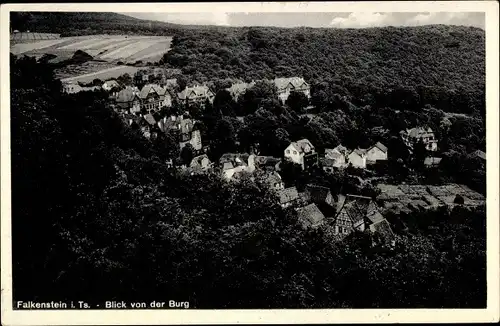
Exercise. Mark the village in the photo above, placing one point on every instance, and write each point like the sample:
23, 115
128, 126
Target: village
146, 104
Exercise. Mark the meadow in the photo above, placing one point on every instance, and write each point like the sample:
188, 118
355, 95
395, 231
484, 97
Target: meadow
111, 49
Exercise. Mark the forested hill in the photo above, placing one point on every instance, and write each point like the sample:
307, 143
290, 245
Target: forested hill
436, 62
82, 23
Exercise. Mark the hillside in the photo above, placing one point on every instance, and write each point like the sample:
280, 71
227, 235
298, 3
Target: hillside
432, 63
84, 23
118, 224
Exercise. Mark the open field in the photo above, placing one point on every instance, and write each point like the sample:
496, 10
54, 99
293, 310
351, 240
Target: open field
100, 73
30, 37
112, 48
108, 48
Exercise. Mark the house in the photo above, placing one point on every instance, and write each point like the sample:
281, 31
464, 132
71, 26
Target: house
322, 197
335, 158
273, 179
188, 135
431, 162
357, 158
128, 100
414, 135
238, 89
154, 97
377, 152
296, 151
110, 85
196, 94
268, 163
285, 86
480, 154
72, 88
327, 164
310, 216
200, 162
288, 196
319, 194
232, 164
360, 213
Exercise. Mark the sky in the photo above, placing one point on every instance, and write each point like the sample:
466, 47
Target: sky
319, 19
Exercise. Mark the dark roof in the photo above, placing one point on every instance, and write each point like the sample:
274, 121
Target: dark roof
380, 146
318, 194
287, 195
383, 228
327, 162
310, 215
480, 154
230, 157
150, 119
358, 208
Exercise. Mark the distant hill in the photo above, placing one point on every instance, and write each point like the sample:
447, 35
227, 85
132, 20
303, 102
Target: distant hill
84, 23
427, 60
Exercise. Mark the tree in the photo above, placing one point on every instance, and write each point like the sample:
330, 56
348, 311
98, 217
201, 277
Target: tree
297, 101
187, 154
224, 103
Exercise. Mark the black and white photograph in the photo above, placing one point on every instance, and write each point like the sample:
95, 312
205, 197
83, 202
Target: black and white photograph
249, 158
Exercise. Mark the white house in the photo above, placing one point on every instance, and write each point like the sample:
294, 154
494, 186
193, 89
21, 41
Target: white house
110, 84
296, 151
337, 156
357, 158
412, 136
377, 152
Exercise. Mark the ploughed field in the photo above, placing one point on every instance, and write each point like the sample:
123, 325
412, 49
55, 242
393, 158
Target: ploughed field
107, 51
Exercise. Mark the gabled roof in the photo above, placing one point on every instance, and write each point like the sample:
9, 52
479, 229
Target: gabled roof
341, 149
150, 119
266, 160
196, 161
273, 178
358, 208
333, 153
327, 162
239, 88
318, 194
310, 215
480, 154
297, 82
232, 160
359, 151
147, 89
288, 194
418, 132
432, 160
383, 228
300, 145
196, 91
380, 146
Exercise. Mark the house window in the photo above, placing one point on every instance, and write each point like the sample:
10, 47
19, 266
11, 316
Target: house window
294, 152
288, 151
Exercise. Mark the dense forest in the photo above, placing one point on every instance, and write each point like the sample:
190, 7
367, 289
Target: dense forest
89, 23
403, 67
97, 215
